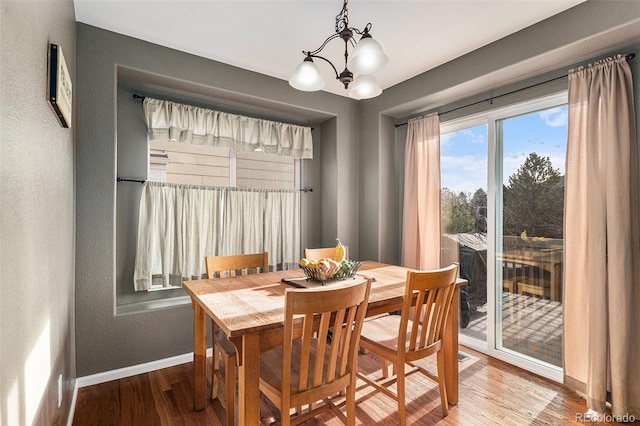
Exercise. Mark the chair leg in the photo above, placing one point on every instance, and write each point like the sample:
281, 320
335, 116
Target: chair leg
399, 371
285, 418
385, 368
441, 384
351, 404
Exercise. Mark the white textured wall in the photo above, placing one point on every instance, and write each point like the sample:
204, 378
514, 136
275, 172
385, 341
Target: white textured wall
37, 213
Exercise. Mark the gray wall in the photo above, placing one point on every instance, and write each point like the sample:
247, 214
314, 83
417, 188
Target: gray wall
115, 327
37, 211
541, 51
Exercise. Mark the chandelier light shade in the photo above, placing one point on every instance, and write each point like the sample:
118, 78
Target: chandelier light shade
364, 87
367, 57
307, 77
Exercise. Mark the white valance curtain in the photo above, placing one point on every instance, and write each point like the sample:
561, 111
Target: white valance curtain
172, 121
181, 224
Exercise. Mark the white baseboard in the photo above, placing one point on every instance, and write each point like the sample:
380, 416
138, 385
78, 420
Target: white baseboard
121, 373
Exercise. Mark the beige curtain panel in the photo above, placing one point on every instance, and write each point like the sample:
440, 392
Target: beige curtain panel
602, 269
421, 208
179, 225
171, 121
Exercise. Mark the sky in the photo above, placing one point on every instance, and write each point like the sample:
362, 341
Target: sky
463, 154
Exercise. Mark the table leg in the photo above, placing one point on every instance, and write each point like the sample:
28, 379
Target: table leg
451, 349
249, 381
199, 358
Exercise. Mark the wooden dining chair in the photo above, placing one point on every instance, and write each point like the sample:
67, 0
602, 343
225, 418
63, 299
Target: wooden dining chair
415, 334
323, 253
313, 364
223, 349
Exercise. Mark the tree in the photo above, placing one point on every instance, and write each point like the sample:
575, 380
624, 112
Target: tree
534, 199
456, 215
478, 209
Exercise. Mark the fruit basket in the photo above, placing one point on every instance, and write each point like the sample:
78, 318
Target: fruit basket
331, 271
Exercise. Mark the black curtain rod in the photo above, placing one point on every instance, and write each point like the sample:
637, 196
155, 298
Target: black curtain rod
119, 179
629, 57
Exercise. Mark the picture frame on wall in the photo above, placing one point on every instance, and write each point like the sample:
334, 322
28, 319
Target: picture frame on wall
60, 88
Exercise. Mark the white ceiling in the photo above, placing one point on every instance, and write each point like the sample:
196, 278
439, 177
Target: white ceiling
268, 36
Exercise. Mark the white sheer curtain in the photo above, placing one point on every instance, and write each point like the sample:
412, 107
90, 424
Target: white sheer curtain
172, 121
181, 224
602, 260
421, 209
242, 232
279, 218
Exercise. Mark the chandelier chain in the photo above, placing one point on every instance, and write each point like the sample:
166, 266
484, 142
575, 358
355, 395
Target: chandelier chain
342, 19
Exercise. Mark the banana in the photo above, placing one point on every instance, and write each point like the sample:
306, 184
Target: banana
340, 253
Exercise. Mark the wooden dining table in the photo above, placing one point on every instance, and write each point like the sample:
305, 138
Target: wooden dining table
249, 309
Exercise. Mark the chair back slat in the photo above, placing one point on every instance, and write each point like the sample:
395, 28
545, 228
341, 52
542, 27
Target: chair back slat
322, 336
324, 358
423, 326
444, 306
439, 305
335, 348
229, 266
417, 319
343, 342
305, 351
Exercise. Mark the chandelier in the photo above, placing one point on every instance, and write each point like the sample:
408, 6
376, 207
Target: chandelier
367, 57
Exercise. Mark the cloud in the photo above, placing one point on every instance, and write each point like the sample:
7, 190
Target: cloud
464, 173
555, 117
474, 137
470, 136
446, 139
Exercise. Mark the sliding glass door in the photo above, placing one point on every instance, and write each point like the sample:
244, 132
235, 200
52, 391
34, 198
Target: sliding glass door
502, 219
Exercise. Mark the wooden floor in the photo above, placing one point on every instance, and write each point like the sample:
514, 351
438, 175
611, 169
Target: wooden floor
491, 393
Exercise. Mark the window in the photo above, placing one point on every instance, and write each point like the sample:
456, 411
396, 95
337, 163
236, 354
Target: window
190, 164
211, 166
